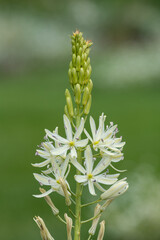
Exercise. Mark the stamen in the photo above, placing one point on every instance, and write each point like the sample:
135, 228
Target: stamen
90, 176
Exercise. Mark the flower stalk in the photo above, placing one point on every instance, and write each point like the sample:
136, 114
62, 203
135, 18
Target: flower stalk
91, 156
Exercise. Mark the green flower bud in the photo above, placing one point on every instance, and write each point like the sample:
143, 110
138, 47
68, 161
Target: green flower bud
80, 51
73, 49
74, 60
74, 75
77, 47
77, 92
78, 63
66, 111
90, 85
67, 93
88, 61
86, 95
69, 106
70, 75
82, 58
88, 106
81, 76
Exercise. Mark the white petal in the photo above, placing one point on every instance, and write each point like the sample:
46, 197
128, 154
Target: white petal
101, 126
73, 152
80, 129
80, 178
81, 143
64, 166
44, 180
105, 180
56, 137
109, 132
91, 187
43, 154
89, 159
78, 166
99, 187
102, 165
67, 127
60, 150
117, 169
42, 164
119, 145
43, 194
88, 136
93, 127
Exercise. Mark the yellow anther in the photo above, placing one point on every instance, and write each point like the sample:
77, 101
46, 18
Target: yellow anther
71, 144
90, 176
95, 143
58, 181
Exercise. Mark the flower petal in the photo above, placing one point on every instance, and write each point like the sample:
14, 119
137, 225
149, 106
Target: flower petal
102, 165
88, 136
91, 187
44, 180
67, 127
80, 129
42, 164
56, 137
60, 150
44, 194
80, 178
89, 159
73, 152
77, 165
93, 127
81, 143
64, 166
105, 180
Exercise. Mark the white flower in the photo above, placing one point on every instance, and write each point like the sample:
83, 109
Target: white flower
45, 152
71, 143
115, 190
93, 177
54, 183
105, 140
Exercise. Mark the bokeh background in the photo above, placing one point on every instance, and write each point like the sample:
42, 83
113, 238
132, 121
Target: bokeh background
35, 52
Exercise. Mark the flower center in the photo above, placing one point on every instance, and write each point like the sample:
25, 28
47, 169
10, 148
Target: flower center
95, 143
71, 144
90, 176
58, 181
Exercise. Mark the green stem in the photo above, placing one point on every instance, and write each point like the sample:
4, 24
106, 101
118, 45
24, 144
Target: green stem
78, 191
87, 204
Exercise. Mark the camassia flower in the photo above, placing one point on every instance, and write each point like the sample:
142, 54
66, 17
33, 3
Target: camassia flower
54, 183
105, 140
93, 177
71, 143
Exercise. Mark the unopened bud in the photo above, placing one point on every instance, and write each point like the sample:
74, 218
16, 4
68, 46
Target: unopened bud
74, 75
70, 75
78, 63
74, 60
73, 49
65, 191
69, 106
67, 93
45, 234
90, 85
101, 231
66, 111
49, 202
80, 51
81, 76
77, 92
77, 47
115, 190
85, 96
88, 105
92, 229
69, 226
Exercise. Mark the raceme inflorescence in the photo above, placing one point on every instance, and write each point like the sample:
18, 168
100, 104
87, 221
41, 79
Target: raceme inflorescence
92, 153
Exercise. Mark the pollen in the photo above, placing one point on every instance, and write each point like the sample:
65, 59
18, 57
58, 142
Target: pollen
96, 142
71, 144
90, 176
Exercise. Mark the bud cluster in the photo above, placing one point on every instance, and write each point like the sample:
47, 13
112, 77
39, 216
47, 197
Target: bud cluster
79, 75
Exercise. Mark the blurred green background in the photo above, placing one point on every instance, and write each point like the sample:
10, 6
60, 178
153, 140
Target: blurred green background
35, 52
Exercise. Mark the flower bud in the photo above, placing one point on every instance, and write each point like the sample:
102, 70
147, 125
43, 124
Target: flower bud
92, 229
69, 226
77, 92
115, 190
78, 63
81, 76
45, 234
70, 75
88, 105
70, 106
50, 203
80, 51
67, 93
101, 231
73, 49
65, 191
74, 75
90, 85
66, 111
85, 96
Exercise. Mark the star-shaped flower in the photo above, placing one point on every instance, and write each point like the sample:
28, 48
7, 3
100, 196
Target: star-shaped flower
105, 140
72, 142
93, 177
54, 183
